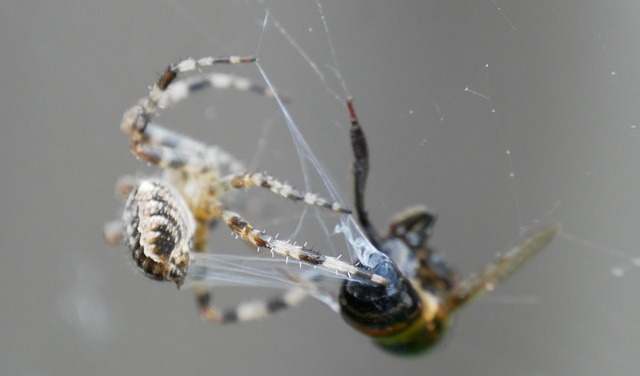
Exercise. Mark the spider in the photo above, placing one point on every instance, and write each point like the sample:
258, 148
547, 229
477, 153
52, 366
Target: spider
411, 313
166, 220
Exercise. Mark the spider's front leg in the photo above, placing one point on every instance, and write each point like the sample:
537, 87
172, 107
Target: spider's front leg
136, 118
248, 179
261, 239
156, 99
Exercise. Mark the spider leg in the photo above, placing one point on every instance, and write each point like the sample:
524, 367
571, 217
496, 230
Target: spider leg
360, 173
181, 90
135, 119
146, 138
124, 186
151, 143
157, 135
286, 249
169, 158
249, 179
113, 232
248, 311
152, 102
168, 150
171, 150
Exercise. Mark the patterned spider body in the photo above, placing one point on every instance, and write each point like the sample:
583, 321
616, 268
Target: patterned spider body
411, 313
159, 231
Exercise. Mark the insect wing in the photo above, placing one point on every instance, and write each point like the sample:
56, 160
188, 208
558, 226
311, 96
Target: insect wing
253, 271
492, 275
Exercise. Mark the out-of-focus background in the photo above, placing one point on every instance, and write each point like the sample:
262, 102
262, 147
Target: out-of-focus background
502, 116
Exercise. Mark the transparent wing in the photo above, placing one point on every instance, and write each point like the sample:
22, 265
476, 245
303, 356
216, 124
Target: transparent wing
212, 270
490, 276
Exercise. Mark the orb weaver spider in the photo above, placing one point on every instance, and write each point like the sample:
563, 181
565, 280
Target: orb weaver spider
166, 221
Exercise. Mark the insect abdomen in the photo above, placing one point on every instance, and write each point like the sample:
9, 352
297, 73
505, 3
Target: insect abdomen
394, 316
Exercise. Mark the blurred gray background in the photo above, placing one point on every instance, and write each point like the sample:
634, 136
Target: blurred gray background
502, 116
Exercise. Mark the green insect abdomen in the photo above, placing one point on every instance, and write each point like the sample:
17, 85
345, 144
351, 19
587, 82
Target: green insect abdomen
394, 316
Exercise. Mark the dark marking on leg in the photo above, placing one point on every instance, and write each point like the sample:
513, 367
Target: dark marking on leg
167, 77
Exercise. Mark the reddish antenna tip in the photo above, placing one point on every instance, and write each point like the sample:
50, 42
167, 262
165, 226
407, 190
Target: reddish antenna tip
352, 110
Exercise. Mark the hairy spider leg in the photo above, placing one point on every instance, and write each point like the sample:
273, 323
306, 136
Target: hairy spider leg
258, 179
300, 253
148, 106
177, 152
259, 308
158, 136
181, 90
246, 311
167, 149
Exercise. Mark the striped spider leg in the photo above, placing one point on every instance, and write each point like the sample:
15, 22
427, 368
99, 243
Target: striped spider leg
166, 220
412, 312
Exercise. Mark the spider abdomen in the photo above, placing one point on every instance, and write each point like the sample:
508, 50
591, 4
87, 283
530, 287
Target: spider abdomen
158, 230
